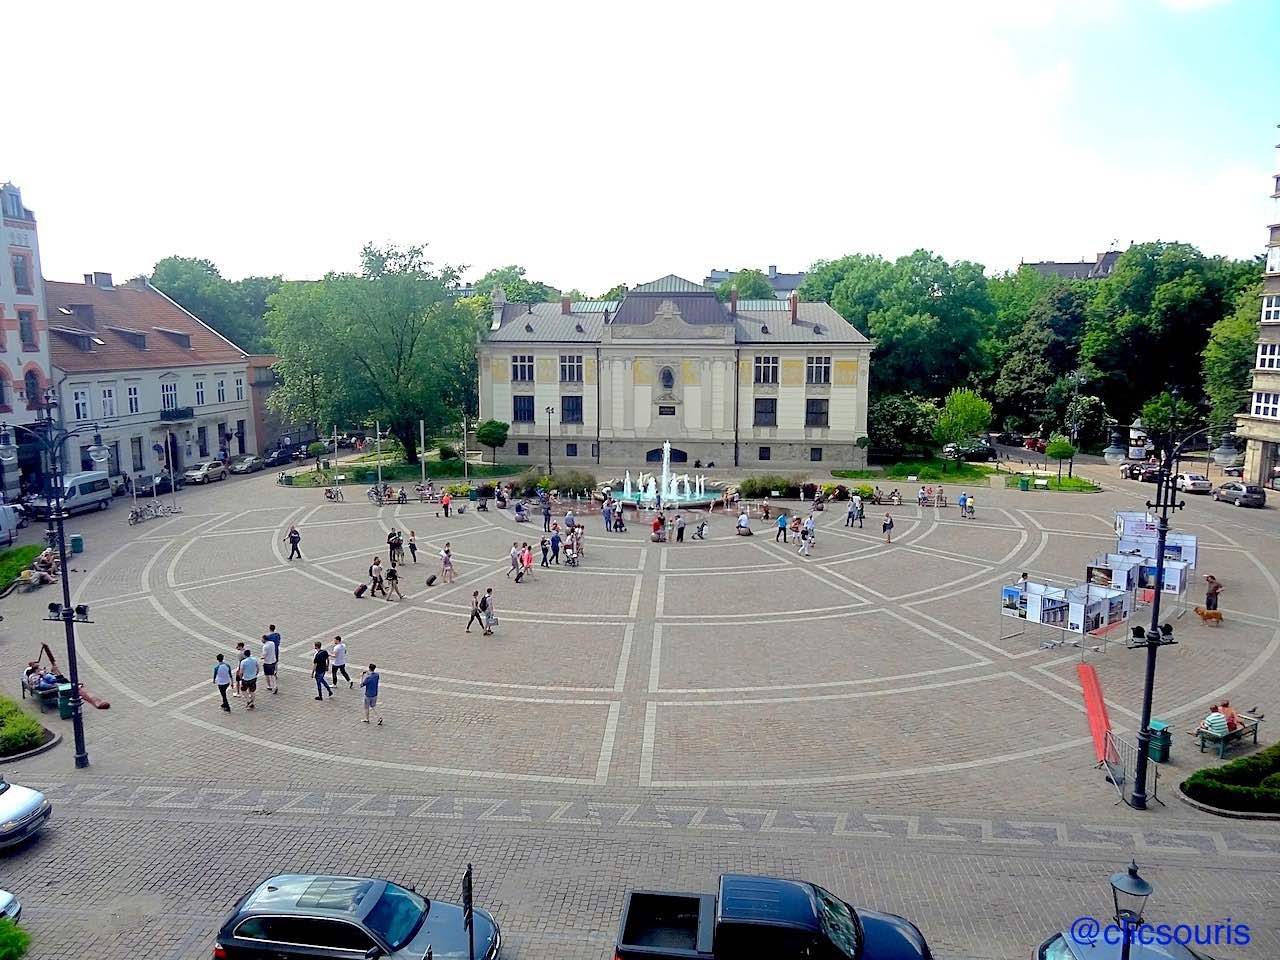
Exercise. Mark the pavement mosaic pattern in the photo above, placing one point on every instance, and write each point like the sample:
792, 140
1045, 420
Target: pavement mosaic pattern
861, 717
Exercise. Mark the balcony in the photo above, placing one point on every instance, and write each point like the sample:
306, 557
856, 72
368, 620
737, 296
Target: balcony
178, 413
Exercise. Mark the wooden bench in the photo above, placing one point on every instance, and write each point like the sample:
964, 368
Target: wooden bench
1042, 484
1247, 728
45, 699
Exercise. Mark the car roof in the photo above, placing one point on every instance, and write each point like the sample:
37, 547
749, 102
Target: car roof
315, 896
1101, 950
750, 899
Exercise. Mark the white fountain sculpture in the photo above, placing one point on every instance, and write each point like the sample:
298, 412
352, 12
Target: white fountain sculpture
651, 491
626, 486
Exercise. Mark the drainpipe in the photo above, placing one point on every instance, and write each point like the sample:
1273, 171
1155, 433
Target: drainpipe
597, 406
737, 376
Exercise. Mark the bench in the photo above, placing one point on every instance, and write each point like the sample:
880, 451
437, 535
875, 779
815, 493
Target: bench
1247, 728
1042, 484
45, 699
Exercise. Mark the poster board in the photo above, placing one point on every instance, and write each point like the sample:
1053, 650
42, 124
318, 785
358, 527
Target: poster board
1113, 570
1131, 523
1097, 611
1013, 602
1182, 547
1176, 575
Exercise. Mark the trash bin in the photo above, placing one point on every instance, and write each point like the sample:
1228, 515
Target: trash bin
1024, 483
64, 701
1161, 742
77, 543
324, 464
471, 495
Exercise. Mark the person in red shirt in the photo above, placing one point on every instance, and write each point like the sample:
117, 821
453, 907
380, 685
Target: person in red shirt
444, 502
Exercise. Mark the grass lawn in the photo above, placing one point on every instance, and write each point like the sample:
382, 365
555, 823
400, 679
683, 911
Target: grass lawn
932, 469
401, 472
1065, 485
14, 561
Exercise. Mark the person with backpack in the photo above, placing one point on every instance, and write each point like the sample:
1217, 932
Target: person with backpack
293, 538
477, 612
393, 582
320, 670
490, 615
375, 577
887, 527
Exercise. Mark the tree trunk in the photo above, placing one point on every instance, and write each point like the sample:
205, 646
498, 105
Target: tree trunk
406, 432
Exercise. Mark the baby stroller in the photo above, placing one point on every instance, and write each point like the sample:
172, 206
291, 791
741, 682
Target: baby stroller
570, 555
700, 531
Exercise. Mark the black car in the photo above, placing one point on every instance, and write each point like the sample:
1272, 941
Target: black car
160, 483
1145, 472
316, 917
279, 457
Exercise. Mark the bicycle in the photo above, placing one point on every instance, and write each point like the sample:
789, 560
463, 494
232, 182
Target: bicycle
334, 494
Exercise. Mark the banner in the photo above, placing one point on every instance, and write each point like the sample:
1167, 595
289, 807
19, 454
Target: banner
1013, 602
1099, 576
1177, 546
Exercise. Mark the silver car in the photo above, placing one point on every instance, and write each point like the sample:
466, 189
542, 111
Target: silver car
10, 908
23, 812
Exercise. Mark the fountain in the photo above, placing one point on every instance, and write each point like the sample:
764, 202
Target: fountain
676, 490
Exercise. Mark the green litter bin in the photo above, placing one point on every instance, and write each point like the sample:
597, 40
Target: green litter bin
77, 543
288, 479
1161, 742
64, 701
1024, 483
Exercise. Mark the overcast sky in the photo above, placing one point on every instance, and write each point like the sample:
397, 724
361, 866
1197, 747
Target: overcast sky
606, 142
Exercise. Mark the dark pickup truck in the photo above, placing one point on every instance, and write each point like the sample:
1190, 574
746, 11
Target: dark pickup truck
757, 917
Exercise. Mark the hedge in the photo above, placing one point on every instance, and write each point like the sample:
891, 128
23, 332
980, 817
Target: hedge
764, 484
14, 941
1249, 784
19, 731
568, 483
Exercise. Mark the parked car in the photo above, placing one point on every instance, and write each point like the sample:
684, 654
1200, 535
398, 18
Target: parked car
761, 917
1241, 494
279, 457
23, 812
307, 916
10, 908
1236, 471
1062, 946
246, 464
1193, 483
1146, 472
86, 490
157, 484
205, 472
974, 449
1034, 443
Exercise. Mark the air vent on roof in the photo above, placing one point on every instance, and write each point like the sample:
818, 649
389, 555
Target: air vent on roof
578, 327
817, 328
764, 328
528, 328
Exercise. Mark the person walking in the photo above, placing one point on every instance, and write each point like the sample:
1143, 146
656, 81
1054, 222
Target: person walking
555, 547
490, 615
445, 501
393, 582
782, 527
887, 527
960, 502
413, 546
241, 652
369, 681
338, 661
862, 510
546, 516
476, 612
293, 538
970, 506
249, 668
320, 670
679, 528
375, 577
270, 658
545, 544
515, 558
852, 513
222, 679
527, 559
806, 541
1212, 589
446, 564
606, 512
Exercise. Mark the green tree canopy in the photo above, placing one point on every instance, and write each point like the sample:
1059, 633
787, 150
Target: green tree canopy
964, 414
616, 292
1165, 411
235, 309
493, 434
900, 423
387, 344
750, 284
516, 286
1229, 356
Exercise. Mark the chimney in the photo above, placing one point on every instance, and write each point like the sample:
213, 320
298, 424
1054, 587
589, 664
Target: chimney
101, 279
498, 299
83, 312
137, 283
88, 279
773, 270
566, 306
795, 307
733, 302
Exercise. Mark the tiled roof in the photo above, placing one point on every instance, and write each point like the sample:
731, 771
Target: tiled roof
671, 284
547, 324
119, 316
816, 322
697, 309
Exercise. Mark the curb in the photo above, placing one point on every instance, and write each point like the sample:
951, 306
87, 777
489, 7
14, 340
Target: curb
1219, 812
43, 748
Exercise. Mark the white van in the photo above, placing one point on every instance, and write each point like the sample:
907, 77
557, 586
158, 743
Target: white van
80, 491
11, 519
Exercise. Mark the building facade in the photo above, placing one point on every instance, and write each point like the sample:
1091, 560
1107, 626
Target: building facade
783, 284
24, 333
758, 384
1260, 423
269, 427
150, 375
1095, 269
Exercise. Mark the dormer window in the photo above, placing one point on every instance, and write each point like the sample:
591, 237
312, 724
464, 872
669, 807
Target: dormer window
177, 336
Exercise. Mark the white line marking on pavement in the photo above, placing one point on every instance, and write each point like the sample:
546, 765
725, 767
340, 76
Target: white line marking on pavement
606, 744
655, 658
646, 744
624, 658
639, 585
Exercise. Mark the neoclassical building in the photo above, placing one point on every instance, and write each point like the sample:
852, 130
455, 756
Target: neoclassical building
759, 383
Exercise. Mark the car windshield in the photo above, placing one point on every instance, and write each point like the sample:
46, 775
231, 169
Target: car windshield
839, 923
397, 915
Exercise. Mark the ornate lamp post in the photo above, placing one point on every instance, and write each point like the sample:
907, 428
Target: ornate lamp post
1129, 893
52, 440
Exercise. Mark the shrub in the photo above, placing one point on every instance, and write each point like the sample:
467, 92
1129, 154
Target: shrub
763, 485
485, 491
865, 491
1248, 784
19, 731
459, 489
567, 482
14, 941
447, 452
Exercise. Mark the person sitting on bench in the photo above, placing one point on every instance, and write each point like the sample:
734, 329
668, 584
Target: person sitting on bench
1234, 720
522, 515
1215, 723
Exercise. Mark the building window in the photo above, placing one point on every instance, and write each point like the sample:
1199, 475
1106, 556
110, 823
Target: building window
666, 411
1268, 356
667, 378
818, 370
80, 403
815, 413
570, 368
766, 412
135, 453
522, 449
522, 368
1273, 260
239, 388
202, 438
1266, 405
766, 369
570, 409
200, 396
595, 451
4, 395
168, 395
522, 409
132, 394
108, 402
21, 272
1271, 309
766, 453
222, 390
31, 384
570, 449
27, 327
815, 454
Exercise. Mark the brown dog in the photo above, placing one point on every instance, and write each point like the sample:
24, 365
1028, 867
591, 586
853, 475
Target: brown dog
1208, 616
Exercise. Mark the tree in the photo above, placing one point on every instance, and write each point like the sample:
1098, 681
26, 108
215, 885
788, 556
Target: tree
1087, 419
1164, 412
900, 423
493, 434
317, 449
517, 288
1059, 448
964, 414
234, 309
1228, 358
387, 344
750, 284
616, 292
14, 940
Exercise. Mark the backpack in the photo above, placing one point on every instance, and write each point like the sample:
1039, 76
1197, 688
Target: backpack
484, 604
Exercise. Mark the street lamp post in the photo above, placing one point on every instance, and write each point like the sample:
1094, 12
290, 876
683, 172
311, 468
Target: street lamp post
1129, 893
550, 411
52, 440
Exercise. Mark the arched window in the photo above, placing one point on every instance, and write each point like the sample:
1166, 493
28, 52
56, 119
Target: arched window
31, 384
667, 378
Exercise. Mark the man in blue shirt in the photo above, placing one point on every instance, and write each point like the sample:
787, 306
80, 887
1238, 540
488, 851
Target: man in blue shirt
782, 527
369, 684
249, 680
222, 678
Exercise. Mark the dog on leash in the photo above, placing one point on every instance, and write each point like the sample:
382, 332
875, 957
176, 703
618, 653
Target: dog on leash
1208, 616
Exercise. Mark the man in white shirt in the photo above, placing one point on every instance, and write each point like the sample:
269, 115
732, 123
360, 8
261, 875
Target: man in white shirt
338, 661
270, 658
855, 504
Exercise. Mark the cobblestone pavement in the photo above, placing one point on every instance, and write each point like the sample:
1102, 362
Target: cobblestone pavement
860, 717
